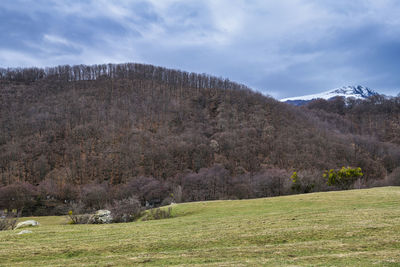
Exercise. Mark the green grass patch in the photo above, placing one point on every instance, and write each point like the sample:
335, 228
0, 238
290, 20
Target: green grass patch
347, 228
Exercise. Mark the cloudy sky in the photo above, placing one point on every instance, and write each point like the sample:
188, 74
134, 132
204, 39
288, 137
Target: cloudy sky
282, 48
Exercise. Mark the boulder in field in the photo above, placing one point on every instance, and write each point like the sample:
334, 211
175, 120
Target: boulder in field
101, 217
28, 223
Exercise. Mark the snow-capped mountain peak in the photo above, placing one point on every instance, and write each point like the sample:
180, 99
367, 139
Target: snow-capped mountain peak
354, 91
358, 92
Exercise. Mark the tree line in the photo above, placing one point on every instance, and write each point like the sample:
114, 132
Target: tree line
131, 71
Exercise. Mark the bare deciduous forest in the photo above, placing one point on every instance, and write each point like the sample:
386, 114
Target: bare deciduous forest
95, 134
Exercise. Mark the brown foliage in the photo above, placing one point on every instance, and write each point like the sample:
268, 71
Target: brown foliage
18, 196
106, 132
125, 210
8, 221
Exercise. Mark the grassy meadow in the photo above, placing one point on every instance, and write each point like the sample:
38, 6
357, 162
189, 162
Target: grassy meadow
347, 228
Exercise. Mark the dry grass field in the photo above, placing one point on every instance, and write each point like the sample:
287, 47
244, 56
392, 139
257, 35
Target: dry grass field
347, 228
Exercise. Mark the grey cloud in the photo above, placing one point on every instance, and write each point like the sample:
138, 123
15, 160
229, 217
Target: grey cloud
278, 47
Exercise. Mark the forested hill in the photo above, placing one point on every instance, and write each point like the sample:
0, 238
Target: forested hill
163, 130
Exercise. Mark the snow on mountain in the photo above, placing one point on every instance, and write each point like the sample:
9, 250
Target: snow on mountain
358, 92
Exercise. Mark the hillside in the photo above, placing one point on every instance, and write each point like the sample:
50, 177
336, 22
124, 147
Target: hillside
104, 132
347, 228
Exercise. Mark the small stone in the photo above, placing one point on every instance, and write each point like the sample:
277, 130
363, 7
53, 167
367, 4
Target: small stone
25, 232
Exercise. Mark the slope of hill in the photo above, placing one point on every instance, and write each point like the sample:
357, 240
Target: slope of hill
347, 228
357, 92
103, 132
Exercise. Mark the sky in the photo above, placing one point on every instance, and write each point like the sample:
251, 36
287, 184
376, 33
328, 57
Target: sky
281, 48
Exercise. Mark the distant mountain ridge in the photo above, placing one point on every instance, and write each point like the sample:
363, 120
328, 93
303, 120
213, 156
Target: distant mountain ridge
358, 92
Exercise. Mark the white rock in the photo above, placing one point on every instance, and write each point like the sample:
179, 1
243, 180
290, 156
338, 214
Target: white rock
25, 232
103, 213
28, 223
102, 216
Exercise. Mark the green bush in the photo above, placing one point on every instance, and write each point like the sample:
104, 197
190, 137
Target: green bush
78, 218
157, 214
77, 215
303, 183
344, 177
